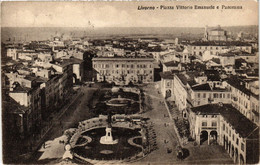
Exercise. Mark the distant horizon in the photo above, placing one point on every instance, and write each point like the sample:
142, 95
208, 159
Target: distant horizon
122, 26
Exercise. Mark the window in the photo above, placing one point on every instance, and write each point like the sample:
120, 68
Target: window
132, 66
228, 95
220, 95
224, 95
137, 66
223, 127
204, 95
117, 66
237, 142
229, 132
198, 95
215, 95
198, 102
123, 65
214, 124
204, 123
151, 71
233, 137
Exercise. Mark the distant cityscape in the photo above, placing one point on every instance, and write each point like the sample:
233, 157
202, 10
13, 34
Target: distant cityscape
195, 88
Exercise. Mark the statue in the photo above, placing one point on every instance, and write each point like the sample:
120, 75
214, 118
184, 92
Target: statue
108, 138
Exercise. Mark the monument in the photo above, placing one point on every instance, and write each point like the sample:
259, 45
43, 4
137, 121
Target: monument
108, 138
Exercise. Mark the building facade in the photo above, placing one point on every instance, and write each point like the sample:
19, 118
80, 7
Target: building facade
167, 85
222, 124
124, 70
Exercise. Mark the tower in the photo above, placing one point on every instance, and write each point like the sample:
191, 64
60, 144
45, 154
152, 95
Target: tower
206, 32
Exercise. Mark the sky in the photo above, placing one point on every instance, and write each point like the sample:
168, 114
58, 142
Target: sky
124, 14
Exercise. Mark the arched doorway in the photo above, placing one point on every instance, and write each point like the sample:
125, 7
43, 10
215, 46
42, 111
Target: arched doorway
168, 93
242, 159
229, 147
203, 137
236, 155
224, 141
227, 143
214, 137
232, 151
74, 78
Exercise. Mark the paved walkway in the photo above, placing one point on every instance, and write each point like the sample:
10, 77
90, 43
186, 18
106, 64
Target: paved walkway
75, 113
163, 128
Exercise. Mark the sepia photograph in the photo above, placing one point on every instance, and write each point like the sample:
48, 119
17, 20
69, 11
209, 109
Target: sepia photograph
130, 82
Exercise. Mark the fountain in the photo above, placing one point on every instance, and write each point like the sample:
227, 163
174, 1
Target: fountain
119, 102
108, 138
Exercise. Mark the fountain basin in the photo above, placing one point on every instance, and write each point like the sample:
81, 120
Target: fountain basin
119, 102
98, 151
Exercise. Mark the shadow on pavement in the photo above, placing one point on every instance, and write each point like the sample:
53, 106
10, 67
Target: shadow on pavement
186, 153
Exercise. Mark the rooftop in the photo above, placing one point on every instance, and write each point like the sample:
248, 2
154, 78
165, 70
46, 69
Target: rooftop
239, 84
171, 64
122, 59
242, 125
200, 87
219, 43
187, 78
21, 89
166, 75
11, 106
212, 75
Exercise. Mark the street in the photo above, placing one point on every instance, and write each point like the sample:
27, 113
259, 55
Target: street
166, 137
75, 113
200, 154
